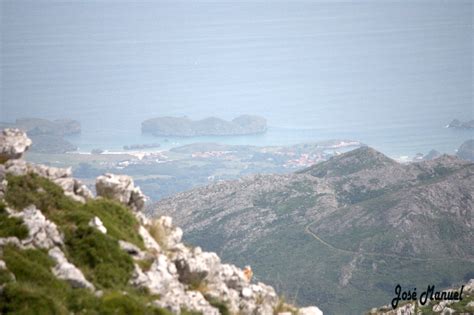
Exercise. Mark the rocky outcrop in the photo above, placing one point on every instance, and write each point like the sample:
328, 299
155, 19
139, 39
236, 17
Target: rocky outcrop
67, 271
72, 187
42, 233
122, 189
212, 126
13, 144
96, 222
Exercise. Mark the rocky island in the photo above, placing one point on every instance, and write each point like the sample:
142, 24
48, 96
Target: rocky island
456, 123
211, 126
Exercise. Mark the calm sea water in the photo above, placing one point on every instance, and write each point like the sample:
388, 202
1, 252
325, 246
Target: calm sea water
390, 74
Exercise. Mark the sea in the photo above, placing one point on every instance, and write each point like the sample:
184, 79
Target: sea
391, 74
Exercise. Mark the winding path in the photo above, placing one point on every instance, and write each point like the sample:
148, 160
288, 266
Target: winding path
346, 251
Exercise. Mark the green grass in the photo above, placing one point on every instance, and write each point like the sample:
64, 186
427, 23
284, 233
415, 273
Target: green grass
37, 291
100, 257
11, 226
23, 191
221, 306
119, 221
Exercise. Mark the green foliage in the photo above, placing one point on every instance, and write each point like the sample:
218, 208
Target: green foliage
5, 276
37, 291
221, 306
119, 221
145, 264
11, 226
23, 191
100, 257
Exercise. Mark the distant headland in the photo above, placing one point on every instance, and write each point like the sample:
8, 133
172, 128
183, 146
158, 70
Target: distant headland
47, 135
456, 123
211, 126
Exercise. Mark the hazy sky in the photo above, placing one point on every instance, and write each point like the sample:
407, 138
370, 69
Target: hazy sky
350, 65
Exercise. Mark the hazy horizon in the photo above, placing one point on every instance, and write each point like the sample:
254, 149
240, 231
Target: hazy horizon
391, 75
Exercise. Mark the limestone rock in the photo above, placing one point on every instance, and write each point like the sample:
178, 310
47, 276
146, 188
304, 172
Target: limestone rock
16, 167
96, 222
67, 271
148, 240
196, 266
132, 250
42, 233
62, 177
120, 188
13, 144
161, 277
11, 240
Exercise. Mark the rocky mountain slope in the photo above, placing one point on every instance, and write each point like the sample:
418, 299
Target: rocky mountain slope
64, 251
342, 233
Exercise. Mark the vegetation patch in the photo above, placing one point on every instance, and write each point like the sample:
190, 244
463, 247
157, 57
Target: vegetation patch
29, 189
100, 257
37, 291
11, 226
221, 306
119, 221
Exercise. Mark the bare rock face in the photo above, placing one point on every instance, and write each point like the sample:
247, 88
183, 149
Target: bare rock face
171, 235
312, 310
42, 233
96, 222
122, 189
180, 273
13, 144
132, 250
162, 279
148, 240
67, 271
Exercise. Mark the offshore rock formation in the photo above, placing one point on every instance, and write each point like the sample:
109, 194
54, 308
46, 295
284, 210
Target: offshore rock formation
456, 123
212, 126
38, 126
148, 267
47, 135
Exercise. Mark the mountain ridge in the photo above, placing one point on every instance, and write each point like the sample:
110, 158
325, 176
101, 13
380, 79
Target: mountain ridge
380, 214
